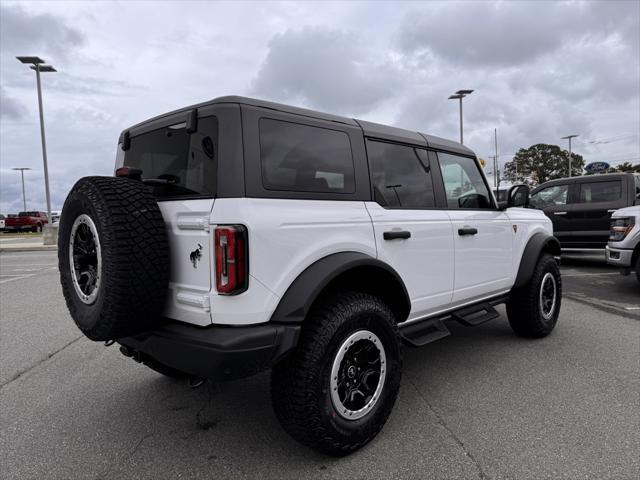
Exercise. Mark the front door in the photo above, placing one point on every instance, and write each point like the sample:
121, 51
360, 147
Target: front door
482, 234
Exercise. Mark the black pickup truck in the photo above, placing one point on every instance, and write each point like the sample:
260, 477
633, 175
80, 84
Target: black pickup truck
581, 207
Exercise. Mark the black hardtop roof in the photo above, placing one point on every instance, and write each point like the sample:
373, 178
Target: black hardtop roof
370, 129
584, 178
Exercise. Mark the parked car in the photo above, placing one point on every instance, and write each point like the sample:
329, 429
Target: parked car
26, 221
240, 235
2, 219
581, 207
623, 249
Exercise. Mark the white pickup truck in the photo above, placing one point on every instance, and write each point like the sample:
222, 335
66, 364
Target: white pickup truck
623, 249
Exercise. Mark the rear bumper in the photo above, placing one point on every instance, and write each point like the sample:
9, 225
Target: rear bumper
215, 352
619, 257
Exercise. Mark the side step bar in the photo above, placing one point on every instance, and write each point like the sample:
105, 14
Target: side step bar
431, 329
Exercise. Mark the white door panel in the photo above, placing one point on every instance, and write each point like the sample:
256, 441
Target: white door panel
425, 261
190, 246
483, 263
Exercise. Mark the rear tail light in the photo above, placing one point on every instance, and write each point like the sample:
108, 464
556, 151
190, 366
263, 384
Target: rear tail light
232, 259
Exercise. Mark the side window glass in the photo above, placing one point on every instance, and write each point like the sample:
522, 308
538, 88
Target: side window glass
550, 196
463, 182
593, 192
304, 158
400, 178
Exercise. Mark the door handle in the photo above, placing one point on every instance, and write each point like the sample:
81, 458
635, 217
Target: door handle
467, 231
394, 234
559, 213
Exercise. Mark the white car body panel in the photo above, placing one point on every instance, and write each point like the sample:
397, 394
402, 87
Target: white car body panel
286, 237
425, 261
441, 269
482, 261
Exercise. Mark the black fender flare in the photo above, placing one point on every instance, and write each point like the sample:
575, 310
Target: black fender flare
305, 289
538, 243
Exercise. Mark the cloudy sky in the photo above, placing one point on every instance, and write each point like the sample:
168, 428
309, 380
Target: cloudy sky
540, 71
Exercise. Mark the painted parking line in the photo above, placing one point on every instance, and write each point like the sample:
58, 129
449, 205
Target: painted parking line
7, 280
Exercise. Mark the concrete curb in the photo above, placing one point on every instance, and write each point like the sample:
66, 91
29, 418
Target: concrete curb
29, 248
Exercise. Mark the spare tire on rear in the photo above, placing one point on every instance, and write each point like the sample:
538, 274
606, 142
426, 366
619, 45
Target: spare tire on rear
113, 256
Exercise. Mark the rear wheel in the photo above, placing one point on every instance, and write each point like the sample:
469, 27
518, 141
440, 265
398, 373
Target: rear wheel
638, 268
534, 308
336, 391
113, 257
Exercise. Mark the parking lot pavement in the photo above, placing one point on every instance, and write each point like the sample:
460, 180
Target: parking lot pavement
481, 403
587, 278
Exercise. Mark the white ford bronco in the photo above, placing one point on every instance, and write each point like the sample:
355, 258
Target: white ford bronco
239, 235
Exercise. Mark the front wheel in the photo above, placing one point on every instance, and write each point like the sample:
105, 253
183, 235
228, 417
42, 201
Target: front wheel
335, 392
533, 309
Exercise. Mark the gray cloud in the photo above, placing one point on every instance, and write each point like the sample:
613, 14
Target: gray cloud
10, 108
326, 69
24, 33
514, 33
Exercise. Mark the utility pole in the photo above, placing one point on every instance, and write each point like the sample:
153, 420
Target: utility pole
37, 65
497, 170
24, 197
460, 94
569, 137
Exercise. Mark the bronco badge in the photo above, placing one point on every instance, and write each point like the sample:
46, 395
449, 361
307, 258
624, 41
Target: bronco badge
195, 256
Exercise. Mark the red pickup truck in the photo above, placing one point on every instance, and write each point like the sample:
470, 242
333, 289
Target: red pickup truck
26, 221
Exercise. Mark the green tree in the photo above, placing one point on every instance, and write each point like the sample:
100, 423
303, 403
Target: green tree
542, 162
625, 167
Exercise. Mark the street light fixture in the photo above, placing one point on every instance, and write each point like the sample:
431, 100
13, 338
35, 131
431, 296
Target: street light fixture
459, 95
24, 197
37, 64
569, 137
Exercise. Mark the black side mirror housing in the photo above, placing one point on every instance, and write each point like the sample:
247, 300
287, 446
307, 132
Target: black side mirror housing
518, 196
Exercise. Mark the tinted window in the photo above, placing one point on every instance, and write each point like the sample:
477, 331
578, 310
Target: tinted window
180, 163
302, 158
600, 192
550, 196
463, 182
400, 178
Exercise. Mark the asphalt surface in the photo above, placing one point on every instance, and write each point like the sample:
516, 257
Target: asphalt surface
480, 404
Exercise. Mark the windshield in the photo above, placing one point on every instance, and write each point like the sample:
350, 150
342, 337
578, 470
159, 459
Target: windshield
175, 162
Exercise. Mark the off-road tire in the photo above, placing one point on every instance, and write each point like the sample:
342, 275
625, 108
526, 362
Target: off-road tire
523, 308
134, 253
300, 384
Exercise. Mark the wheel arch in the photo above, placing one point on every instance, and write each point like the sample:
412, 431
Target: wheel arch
538, 244
352, 270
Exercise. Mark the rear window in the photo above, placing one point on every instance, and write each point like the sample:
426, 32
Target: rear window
176, 163
303, 158
28, 214
593, 192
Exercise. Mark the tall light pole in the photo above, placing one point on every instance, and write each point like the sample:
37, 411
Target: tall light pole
24, 197
37, 64
460, 94
569, 137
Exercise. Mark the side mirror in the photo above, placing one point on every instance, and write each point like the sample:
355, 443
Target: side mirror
518, 196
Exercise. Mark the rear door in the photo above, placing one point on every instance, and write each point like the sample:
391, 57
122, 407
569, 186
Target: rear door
595, 199
181, 168
482, 234
412, 234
